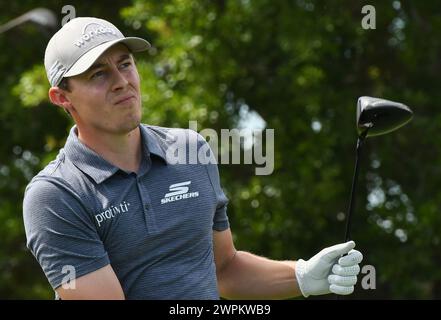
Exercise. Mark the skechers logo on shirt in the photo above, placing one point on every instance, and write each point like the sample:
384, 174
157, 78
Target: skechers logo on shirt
179, 191
111, 212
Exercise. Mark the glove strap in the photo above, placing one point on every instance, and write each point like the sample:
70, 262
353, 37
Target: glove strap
300, 273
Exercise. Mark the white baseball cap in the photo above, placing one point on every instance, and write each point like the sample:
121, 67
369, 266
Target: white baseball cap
79, 43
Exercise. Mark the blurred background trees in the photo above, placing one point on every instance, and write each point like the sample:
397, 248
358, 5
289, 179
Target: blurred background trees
295, 66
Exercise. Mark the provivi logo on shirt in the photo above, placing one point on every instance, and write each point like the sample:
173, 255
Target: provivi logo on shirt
179, 191
111, 212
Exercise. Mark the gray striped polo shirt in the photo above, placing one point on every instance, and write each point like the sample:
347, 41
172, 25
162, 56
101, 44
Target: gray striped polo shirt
154, 227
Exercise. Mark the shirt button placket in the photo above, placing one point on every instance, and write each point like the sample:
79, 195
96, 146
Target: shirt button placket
146, 207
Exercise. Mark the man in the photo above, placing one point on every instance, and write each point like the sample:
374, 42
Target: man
113, 214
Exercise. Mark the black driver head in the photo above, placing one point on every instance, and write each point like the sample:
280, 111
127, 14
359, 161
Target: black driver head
381, 116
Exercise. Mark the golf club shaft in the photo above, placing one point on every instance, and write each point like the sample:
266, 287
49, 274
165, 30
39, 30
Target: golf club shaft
360, 142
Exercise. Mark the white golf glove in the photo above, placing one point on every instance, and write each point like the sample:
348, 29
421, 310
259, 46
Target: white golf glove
322, 273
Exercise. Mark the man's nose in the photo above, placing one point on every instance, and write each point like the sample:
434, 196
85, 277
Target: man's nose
119, 81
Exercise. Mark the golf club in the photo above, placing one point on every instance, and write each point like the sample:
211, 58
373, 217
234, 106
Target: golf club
375, 117
40, 16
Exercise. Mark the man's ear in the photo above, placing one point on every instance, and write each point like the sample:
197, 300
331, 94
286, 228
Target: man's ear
58, 97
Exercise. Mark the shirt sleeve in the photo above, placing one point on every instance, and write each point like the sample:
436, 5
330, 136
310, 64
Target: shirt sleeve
60, 232
220, 220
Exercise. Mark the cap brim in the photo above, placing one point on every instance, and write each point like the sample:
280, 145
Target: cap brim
87, 60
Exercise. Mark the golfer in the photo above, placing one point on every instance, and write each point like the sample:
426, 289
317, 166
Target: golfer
113, 218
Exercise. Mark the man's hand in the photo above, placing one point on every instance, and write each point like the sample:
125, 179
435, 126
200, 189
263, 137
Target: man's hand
322, 273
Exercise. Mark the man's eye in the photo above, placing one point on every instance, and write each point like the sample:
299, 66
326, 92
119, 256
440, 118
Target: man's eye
126, 65
97, 74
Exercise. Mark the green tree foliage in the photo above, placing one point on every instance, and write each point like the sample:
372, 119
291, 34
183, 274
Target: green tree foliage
300, 65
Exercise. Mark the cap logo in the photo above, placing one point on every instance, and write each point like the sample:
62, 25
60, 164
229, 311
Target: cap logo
92, 30
56, 72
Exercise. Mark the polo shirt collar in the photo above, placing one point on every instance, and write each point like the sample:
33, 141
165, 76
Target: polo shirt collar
92, 164
151, 143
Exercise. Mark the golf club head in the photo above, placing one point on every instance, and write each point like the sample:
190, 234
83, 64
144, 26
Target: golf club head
381, 116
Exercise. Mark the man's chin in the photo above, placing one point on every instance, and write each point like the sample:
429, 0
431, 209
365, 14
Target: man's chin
125, 127
131, 125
